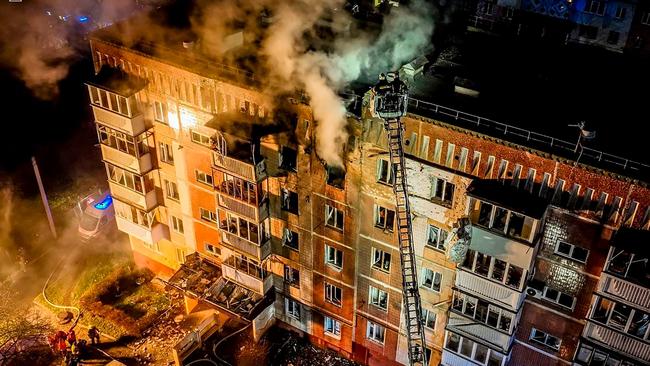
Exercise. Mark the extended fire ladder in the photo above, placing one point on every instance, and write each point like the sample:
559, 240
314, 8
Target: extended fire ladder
390, 104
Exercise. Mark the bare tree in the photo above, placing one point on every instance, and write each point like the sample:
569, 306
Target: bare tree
23, 333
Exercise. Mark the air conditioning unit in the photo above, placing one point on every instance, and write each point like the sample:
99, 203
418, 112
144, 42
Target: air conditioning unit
533, 292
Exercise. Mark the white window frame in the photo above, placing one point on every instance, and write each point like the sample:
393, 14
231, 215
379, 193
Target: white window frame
441, 237
426, 315
332, 214
424, 149
171, 190
375, 332
435, 181
332, 257
208, 215
379, 258
332, 327
381, 165
292, 308
449, 159
434, 275
374, 298
378, 218
490, 273
212, 249
159, 112
595, 7
166, 153
203, 177
331, 292
437, 152
547, 336
177, 224
199, 138
289, 276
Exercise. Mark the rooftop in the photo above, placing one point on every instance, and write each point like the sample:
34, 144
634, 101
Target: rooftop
195, 276
117, 81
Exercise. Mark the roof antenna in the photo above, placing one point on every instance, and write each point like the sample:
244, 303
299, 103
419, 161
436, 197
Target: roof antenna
584, 134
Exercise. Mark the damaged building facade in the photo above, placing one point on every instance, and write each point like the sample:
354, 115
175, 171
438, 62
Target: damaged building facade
223, 194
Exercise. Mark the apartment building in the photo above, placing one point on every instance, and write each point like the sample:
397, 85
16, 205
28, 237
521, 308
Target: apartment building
220, 190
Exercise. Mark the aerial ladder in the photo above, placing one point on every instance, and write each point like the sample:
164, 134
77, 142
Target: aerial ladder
390, 102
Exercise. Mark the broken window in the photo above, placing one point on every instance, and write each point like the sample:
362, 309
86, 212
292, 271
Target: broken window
335, 176
378, 298
290, 239
384, 172
291, 276
333, 257
380, 259
287, 158
333, 217
289, 201
384, 218
333, 294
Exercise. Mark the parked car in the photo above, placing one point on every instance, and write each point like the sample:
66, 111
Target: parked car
96, 215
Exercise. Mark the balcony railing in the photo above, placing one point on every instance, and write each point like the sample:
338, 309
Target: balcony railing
133, 126
462, 325
248, 171
626, 290
452, 359
150, 235
487, 289
260, 252
618, 341
140, 164
247, 274
145, 201
256, 214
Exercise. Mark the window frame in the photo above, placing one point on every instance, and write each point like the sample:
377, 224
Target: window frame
571, 251
292, 308
547, 336
332, 257
376, 329
389, 179
332, 212
434, 274
443, 199
331, 292
378, 256
202, 177
388, 223
335, 331
287, 238
441, 236
291, 276
177, 224
375, 298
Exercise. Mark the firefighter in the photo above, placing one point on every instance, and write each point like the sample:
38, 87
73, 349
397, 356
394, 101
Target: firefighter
93, 335
72, 337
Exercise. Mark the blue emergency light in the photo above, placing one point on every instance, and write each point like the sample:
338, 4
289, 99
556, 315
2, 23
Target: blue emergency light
104, 203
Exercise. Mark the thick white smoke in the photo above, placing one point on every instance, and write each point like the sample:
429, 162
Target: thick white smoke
405, 34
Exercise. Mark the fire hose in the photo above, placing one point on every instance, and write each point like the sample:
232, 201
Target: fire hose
56, 306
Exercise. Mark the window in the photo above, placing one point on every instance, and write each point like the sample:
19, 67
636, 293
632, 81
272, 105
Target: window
436, 237
622, 317
332, 327
573, 195
571, 251
645, 18
244, 229
375, 332
442, 191
238, 188
620, 12
384, 172
462, 165
449, 160
333, 257
291, 276
289, 201
134, 146
134, 182
171, 190
335, 176
437, 151
613, 37
429, 318
380, 259
595, 7
292, 308
545, 339
333, 217
494, 269
378, 298
290, 239
332, 294
200, 139
287, 158
602, 201
166, 153
384, 218
630, 213
210, 248
431, 280
587, 31
559, 297
177, 224
180, 255
203, 177
208, 215
159, 111
502, 220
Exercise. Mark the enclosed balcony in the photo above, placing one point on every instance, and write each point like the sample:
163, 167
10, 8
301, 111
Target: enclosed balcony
242, 197
247, 274
496, 292
126, 151
114, 101
466, 326
134, 189
140, 224
245, 236
617, 341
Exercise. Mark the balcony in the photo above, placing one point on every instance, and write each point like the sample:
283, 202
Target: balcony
452, 359
145, 201
256, 214
633, 293
617, 341
249, 171
489, 290
462, 325
501, 247
140, 164
133, 126
260, 252
247, 274
150, 235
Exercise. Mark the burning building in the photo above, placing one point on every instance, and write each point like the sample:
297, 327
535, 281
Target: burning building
210, 167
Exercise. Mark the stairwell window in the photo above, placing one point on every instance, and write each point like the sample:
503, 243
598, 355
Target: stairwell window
429, 318
437, 151
381, 259
545, 339
159, 112
290, 239
333, 294
436, 237
333, 217
332, 327
177, 225
378, 298
543, 189
166, 153
530, 180
424, 148
442, 191
431, 280
375, 332
574, 252
292, 308
384, 172
292, 276
171, 190
333, 257
203, 177
384, 218
449, 159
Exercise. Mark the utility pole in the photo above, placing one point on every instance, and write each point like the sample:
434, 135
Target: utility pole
46, 205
